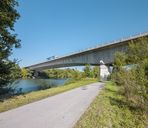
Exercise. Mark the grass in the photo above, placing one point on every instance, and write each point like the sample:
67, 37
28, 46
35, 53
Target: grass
109, 110
20, 100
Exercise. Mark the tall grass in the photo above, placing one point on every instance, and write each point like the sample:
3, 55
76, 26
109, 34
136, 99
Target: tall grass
110, 110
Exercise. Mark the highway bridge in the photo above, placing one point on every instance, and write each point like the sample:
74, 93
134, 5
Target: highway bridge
91, 56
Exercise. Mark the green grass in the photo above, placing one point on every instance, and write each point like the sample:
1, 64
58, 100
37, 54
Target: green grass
20, 100
109, 110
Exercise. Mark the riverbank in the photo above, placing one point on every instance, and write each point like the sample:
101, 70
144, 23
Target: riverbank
20, 100
109, 109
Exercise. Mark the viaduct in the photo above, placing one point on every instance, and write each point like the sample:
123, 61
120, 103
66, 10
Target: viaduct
92, 56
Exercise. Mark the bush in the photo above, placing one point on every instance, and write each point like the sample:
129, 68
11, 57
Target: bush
133, 83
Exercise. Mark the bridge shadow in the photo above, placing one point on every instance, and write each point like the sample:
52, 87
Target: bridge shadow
118, 100
121, 104
110, 90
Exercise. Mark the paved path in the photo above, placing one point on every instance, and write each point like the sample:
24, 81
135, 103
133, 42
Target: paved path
59, 111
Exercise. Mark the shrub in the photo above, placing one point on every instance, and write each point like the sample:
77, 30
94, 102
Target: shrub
131, 72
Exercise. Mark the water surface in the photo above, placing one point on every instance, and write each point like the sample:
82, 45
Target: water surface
25, 86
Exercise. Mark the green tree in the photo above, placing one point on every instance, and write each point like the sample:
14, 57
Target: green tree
76, 75
63, 73
138, 51
87, 71
8, 16
16, 72
132, 72
120, 60
25, 73
96, 72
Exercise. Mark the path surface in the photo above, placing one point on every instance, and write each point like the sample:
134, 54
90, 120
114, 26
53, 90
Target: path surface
59, 111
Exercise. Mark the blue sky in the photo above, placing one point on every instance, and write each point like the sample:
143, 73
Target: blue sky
58, 27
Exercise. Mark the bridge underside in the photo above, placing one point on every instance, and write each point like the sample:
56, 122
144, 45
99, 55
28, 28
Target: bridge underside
63, 65
90, 57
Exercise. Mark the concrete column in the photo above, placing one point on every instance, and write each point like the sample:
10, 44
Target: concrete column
35, 74
104, 71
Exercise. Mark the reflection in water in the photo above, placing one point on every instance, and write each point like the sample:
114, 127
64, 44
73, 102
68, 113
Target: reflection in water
24, 86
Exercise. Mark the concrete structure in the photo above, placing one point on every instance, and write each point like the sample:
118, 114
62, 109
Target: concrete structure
90, 56
104, 71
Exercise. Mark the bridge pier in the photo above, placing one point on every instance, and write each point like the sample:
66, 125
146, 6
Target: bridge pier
39, 74
35, 74
104, 71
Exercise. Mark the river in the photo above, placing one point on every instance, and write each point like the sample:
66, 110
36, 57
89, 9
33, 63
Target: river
29, 85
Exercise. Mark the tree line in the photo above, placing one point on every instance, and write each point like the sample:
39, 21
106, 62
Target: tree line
88, 71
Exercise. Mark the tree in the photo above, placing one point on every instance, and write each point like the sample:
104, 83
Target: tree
96, 72
133, 80
87, 70
120, 60
8, 40
16, 72
137, 50
25, 73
